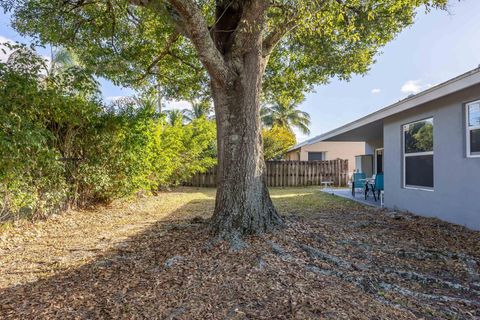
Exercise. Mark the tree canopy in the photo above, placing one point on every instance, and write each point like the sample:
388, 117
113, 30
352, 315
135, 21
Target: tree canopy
136, 42
242, 50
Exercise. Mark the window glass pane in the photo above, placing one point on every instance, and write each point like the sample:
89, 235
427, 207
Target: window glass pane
419, 171
475, 141
419, 136
474, 114
314, 156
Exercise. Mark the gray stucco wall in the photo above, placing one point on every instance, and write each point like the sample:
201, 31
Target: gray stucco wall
456, 195
372, 145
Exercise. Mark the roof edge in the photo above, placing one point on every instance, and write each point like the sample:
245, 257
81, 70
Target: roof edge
415, 100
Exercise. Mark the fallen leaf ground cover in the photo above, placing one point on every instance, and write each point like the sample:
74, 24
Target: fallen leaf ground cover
153, 258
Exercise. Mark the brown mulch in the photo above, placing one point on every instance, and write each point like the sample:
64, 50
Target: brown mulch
151, 260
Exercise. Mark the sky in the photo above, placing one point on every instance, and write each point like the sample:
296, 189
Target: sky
439, 46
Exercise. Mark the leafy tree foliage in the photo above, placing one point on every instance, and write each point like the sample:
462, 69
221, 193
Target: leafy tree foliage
62, 147
136, 41
276, 141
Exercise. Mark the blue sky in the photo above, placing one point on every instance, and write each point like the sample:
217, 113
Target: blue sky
439, 46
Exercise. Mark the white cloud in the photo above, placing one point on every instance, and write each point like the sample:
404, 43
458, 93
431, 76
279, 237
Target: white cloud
115, 98
414, 86
182, 104
4, 39
376, 91
4, 55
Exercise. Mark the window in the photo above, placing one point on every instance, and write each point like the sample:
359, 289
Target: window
473, 129
379, 161
418, 154
315, 156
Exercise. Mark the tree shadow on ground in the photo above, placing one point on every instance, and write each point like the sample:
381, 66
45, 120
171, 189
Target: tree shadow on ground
172, 270
134, 274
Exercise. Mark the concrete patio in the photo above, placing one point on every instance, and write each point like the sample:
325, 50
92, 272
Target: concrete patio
359, 196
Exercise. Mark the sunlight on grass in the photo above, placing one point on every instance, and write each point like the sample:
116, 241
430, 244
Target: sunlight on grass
274, 196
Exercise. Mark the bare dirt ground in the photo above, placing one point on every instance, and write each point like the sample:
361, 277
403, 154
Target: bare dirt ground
152, 259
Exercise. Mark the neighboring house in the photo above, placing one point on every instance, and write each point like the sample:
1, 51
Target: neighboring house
429, 144
316, 149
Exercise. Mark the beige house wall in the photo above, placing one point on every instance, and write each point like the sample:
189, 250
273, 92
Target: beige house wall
333, 150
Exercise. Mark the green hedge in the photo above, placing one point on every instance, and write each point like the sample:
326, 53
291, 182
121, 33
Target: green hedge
61, 146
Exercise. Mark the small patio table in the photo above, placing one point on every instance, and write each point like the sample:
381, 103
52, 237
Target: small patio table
326, 184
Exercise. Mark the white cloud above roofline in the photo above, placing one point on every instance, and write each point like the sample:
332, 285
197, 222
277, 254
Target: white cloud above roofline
414, 86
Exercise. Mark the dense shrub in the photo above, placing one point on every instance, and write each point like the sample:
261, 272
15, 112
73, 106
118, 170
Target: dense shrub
61, 146
276, 141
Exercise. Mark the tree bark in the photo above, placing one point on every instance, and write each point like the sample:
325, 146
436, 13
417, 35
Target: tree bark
232, 52
243, 204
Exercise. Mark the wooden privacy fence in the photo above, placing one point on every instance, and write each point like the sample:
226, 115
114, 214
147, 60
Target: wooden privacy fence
288, 174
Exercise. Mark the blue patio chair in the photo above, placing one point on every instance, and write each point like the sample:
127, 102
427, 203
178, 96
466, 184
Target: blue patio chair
377, 186
358, 181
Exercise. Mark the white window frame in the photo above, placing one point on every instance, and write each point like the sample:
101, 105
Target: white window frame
405, 155
469, 128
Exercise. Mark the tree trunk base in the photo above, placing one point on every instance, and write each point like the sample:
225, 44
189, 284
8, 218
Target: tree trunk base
244, 212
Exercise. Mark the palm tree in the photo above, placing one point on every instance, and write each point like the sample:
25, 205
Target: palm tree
149, 102
174, 116
202, 108
65, 66
284, 113
61, 60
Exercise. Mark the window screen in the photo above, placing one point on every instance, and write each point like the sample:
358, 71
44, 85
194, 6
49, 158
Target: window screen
419, 171
475, 141
315, 156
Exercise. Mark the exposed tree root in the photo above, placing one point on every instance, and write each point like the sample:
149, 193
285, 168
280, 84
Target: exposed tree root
424, 296
425, 279
317, 254
278, 250
370, 280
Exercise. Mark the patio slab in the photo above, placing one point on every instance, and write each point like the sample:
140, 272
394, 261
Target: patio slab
359, 197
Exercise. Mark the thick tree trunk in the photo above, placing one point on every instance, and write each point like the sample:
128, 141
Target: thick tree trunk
243, 204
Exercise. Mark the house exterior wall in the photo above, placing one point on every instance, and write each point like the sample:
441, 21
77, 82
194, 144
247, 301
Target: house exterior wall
334, 150
456, 193
293, 155
372, 145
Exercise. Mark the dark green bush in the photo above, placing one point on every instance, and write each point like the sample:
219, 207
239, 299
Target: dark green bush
60, 146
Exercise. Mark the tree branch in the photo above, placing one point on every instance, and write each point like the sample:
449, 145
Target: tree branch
274, 37
190, 20
171, 40
290, 23
195, 68
249, 29
197, 31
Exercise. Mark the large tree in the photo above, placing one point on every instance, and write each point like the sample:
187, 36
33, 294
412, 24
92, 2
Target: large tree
233, 48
